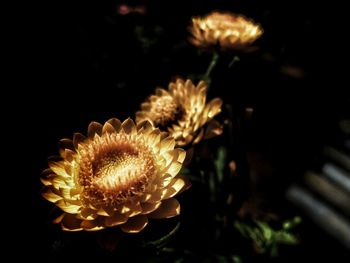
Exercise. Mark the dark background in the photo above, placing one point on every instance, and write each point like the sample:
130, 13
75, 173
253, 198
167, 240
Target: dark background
82, 62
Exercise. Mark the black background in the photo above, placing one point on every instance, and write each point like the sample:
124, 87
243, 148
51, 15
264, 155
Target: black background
76, 62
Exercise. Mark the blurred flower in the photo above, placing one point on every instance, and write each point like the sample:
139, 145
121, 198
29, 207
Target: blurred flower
227, 30
124, 9
121, 174
292, 71
182, 111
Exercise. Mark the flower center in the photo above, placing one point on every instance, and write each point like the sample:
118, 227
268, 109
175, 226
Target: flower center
114, 168
165, 111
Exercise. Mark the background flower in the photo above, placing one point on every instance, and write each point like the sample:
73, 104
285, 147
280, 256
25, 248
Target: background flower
224, 29
182, 111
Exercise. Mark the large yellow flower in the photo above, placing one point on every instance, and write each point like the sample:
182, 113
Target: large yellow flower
120, 175
182, 111
227, 30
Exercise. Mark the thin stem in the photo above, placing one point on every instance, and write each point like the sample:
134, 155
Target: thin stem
234, 60
211, 66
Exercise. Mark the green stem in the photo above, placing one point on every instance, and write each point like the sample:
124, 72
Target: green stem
165, 239
234, 60
211, 66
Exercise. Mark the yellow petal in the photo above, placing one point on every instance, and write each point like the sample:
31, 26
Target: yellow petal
172, 87
168, 157
59, 181
94, 128
68, 207
68, 168
149, 207
58, 219
214, 107
173, 188
174, 168
131, 209
65, 192
115, 123
135, 224
45, 181
69, 155
74, 192
108, 128
47, 176
180, 81
146, 106
202, 85
105, 211
201, 95
47, 193
180, 153
161, 92
155, 197
129, 126
187, 132
187, 140
164, 135
87, 214
59, 169
65, 144
97, 228
116, 219
154, 137
146, 127
167, 144
213, 129
46, 172
199, 137
78, 138
152, 98
168, 208
71, 223
145, 197
189, 86
102, 212
91, 225
164, 180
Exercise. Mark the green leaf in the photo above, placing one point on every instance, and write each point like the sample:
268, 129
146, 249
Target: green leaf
286, 238
265, 238
266, 230
236, 259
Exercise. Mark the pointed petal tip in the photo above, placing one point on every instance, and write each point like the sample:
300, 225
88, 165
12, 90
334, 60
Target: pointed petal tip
169, 208
71, 223
135, 224
116, 123
129, 126
94, 128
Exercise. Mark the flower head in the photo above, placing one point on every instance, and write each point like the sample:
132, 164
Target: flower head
229, 31
182, 111
120, 175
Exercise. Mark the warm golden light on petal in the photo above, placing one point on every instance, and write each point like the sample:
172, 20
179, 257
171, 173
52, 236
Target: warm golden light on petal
115, 176
169, 208
227, 30
135, 224
181, 110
